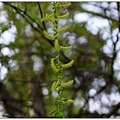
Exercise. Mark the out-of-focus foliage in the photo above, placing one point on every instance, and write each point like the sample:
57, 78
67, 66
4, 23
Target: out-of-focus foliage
25, 54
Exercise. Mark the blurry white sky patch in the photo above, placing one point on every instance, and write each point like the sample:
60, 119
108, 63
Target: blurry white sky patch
3, 72
38, 65
6, 51
3, 17
5, 38
91, 7
93, 23
96, 23
81, 17
1, 110
8, 36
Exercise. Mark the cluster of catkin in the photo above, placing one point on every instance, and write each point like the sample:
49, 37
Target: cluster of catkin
56, 64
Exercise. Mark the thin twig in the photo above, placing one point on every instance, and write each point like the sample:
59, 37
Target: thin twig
21, 12
41, 14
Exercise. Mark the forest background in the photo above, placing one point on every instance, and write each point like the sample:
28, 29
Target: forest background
25, 53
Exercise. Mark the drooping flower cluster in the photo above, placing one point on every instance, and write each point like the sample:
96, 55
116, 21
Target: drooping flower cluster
56, 65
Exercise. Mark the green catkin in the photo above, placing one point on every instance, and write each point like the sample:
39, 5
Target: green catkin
68, 64
56, 65
69, 101
48, 36
65, 48
57, 47
48, 18
58, 5
67, 84
66, 5
55, 85
55, 69
62, 29
63, 16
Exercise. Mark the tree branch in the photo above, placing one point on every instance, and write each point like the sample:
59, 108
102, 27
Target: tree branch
41, 14
113, 110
